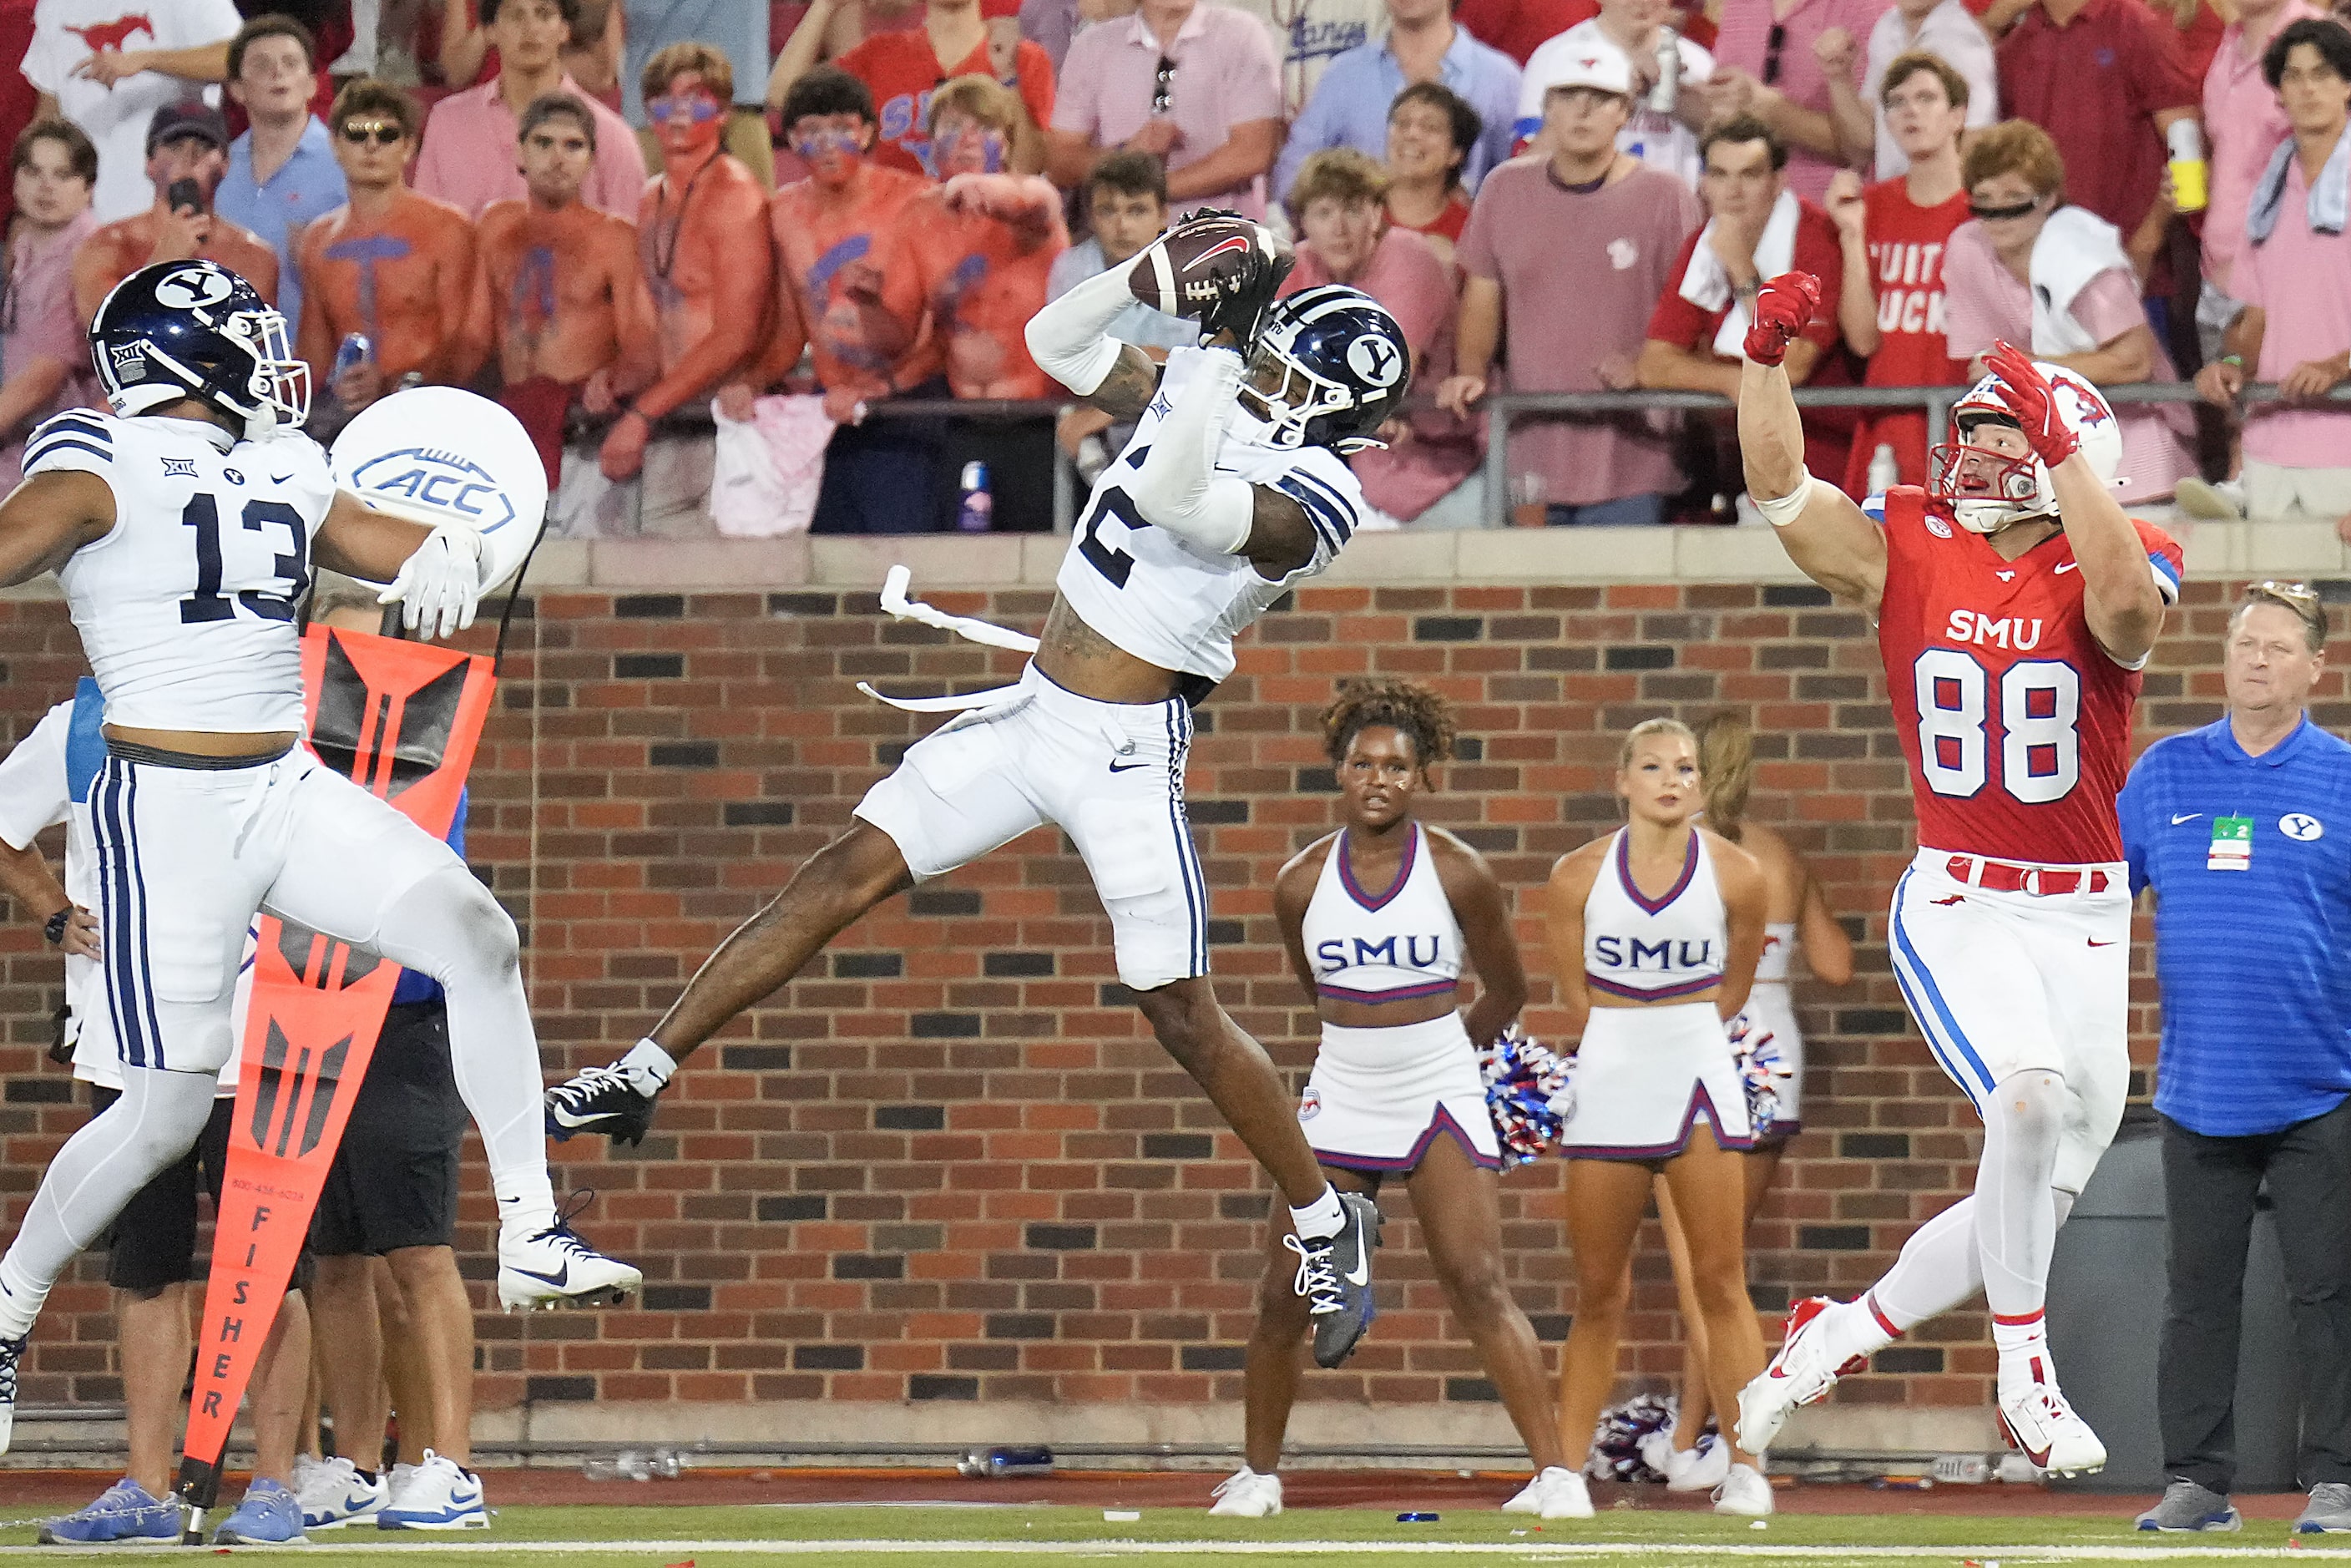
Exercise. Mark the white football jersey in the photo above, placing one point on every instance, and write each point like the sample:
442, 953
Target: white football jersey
1174, 605
186, 608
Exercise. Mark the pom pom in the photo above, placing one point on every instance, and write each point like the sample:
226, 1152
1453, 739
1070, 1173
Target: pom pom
1761, 1070
1529, 1093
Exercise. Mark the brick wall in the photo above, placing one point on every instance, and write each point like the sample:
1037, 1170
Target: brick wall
949, 1164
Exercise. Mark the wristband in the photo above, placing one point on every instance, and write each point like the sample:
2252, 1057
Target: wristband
2236, 360
1780, 513
54, 927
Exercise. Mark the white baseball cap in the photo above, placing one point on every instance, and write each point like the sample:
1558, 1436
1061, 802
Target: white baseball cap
1599, 65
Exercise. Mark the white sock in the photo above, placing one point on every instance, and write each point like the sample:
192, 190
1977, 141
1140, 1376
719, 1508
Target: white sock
1324, 1216
648, 1066
1858, 1327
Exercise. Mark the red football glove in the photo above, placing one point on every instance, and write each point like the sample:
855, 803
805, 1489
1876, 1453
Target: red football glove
1783, 309
2030, 397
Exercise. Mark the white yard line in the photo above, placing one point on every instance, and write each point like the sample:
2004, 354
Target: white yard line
327, 1542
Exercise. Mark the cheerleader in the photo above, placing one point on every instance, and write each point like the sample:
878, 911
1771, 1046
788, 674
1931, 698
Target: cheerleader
1796, 914
1655, 930
1379, 919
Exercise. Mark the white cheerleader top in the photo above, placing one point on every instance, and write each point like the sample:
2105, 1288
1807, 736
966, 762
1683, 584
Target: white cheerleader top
1779, 942
1655, 949
1388, 947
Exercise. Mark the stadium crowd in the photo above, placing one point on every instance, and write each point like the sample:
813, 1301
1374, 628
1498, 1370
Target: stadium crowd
856, 203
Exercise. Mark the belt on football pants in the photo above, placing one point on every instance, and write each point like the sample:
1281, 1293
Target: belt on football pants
2040, 880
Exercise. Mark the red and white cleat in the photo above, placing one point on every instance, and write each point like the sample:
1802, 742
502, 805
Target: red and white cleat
1799, 1375
2037, 1420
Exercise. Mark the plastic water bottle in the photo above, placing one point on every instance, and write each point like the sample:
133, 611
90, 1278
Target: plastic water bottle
979, 1463
1885, 469
1667, 92
355, 349
975, 508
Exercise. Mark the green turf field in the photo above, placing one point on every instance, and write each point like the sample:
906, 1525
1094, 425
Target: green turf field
1012, 1536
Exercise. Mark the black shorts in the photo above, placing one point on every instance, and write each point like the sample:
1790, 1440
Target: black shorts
395, 1180
153, 1243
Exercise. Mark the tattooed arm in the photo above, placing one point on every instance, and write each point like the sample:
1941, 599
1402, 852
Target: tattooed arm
1128, 390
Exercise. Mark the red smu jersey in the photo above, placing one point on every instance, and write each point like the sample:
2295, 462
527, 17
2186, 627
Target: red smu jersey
2016, 723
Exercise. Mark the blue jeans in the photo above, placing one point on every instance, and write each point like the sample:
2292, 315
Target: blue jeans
1624, 512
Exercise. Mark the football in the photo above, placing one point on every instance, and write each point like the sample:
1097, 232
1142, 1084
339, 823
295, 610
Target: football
1210, 260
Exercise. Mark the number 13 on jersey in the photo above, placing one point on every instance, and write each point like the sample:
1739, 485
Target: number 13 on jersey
2035, 705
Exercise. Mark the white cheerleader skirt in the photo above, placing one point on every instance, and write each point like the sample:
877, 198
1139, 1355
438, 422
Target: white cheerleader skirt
1378, 1097
1772, 1010
1645, 1077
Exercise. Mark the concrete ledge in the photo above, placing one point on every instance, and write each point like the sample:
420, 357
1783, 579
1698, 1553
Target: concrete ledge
1516, 556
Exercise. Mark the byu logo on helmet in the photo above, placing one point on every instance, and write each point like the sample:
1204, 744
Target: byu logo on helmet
1375, 359
435, 479
193, 287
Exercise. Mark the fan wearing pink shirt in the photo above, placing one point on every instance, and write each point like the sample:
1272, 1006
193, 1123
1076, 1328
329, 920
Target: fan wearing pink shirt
2025, 240
2297, 266
1430, 462
43, 352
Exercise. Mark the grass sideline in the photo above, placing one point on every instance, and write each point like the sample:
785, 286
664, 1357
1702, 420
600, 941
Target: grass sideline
1014, 1536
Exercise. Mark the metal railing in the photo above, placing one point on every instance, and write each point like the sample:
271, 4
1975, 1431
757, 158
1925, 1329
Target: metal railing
1501, 408
1498, 409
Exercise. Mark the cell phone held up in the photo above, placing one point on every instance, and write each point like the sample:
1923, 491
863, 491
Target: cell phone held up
185, 196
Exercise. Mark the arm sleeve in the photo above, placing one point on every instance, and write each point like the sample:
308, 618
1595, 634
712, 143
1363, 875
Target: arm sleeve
1178, 487
34, 790
1070, 337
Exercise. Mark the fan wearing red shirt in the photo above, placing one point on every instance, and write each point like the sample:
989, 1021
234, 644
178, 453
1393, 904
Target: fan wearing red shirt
2016, 605
904, 69
975, 256
1757, 226
1893, 234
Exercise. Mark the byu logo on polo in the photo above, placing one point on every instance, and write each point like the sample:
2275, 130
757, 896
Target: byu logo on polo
193, 287
1376, 360
437, 479
2301, 825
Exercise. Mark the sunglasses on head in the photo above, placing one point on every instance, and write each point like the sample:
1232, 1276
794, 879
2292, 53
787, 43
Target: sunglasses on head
700, 107
1163, 86
359, 134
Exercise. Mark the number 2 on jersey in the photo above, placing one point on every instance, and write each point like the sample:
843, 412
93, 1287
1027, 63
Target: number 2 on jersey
1109, 559
293, 571
2040, 701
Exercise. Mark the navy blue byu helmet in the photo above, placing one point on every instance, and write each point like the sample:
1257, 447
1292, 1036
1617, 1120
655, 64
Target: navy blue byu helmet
1329, 367
193, 329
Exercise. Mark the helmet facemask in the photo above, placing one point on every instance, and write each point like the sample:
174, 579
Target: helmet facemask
2019, 487
1284, 397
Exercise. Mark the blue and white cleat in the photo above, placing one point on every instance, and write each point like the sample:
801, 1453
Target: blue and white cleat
123, 1511
269, 1516
436, 1495
555, 1266
333, 1493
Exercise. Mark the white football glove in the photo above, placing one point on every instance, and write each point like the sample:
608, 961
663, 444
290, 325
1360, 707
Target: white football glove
439, 586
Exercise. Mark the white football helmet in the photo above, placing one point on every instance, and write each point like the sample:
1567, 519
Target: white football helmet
2021, 486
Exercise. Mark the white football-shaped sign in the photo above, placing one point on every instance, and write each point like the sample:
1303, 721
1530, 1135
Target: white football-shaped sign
440, 454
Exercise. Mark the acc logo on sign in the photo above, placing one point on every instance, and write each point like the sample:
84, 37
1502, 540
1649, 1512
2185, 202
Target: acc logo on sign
193, 287
1309, 1105
2299, 825
435, 479
1376, 360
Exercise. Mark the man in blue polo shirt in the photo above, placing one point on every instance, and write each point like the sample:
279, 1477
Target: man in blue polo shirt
282, 173
2243, 830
